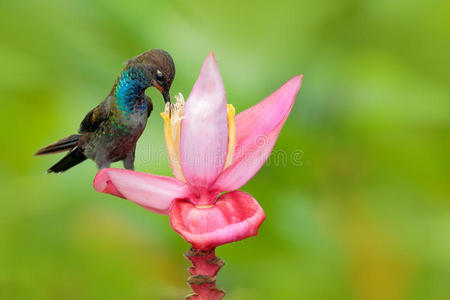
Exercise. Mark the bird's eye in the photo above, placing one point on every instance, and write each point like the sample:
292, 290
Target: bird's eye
159, 76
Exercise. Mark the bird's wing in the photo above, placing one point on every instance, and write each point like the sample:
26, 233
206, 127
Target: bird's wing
95, 117
149, 105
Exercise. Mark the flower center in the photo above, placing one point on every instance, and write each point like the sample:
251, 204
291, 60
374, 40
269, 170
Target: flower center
172, 115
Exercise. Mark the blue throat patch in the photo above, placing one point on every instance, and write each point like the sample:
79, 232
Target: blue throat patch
130, 87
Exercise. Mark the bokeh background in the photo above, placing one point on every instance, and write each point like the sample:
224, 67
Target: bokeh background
357, 208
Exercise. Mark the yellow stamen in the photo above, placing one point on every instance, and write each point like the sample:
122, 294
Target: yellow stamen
172, 116
231, 135
205, 206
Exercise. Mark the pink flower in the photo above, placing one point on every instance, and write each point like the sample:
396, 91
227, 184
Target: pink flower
212, 154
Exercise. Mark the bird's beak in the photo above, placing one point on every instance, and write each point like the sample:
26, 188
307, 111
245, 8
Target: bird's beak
166, 96
164, 93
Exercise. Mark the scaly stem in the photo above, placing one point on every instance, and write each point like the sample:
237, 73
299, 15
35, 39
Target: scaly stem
205, 266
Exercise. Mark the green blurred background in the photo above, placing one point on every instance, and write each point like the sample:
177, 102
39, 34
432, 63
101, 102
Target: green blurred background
359, 210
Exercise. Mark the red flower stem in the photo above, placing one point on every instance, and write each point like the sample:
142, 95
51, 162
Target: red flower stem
205, 266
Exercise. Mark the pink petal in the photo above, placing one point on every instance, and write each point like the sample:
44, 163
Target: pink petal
204, 128
235, 216
152, 192
257, 130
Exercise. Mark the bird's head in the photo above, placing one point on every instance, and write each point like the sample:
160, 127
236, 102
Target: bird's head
159, 69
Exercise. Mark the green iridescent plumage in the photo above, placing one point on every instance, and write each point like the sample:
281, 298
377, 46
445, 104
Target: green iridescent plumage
109, 132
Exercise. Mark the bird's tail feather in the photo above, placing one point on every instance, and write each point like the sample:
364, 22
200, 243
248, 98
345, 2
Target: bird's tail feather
74, 157
64, 144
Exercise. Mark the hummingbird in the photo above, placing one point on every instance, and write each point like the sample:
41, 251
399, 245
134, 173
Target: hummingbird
109, 132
